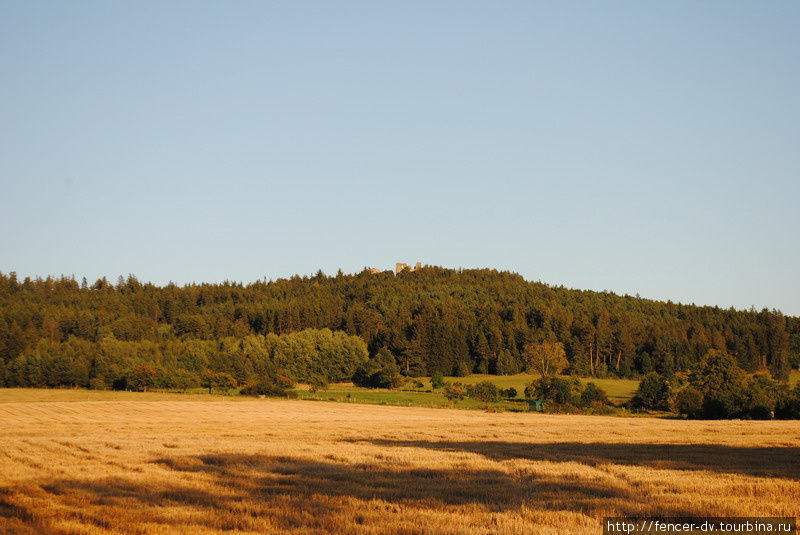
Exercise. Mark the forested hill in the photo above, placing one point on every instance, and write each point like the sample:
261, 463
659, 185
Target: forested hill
433, 319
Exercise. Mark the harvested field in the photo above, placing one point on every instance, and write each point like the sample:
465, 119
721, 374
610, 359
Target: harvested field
300, 467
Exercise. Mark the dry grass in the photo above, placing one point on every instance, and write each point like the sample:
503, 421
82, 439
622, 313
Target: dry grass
297, 467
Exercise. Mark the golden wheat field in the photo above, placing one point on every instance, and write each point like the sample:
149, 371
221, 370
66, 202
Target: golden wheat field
300, 467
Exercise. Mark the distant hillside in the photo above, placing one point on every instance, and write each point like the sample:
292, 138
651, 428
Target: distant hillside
433, 319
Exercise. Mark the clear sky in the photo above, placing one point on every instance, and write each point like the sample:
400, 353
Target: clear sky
649, 147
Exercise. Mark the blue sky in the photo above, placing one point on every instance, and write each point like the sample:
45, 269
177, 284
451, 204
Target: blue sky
638, 147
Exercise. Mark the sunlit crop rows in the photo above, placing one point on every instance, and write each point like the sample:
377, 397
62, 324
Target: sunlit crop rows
303, 467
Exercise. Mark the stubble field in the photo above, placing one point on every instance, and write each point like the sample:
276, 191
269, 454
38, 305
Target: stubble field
301, 467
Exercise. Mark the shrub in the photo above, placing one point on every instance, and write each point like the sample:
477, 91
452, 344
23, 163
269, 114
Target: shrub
184, 379
509, 392
418, 385
219, 380
318, 382
142, 377
679, 380
262, 388
437, 380
592, 394
120, 383
653, 392
97, 383
762, 397
379, 372
485, 391
554, 389
788, 407
689, 402
454, 391
271, 384
723, 385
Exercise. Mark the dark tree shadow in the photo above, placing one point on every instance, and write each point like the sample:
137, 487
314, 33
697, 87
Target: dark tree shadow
497, 490
315, 493
10, 510
16, 519
776, 461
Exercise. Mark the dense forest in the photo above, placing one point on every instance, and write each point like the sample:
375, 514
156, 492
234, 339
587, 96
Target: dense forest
63, 332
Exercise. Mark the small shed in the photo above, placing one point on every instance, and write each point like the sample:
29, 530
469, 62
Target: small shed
535, 405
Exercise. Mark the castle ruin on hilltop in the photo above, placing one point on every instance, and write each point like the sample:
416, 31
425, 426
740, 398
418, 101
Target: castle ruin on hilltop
400, 266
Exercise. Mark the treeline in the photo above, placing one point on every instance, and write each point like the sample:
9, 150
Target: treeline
432, 320
184, 364
718, 388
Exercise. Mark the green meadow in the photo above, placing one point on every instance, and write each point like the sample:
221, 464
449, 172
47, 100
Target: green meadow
619, 391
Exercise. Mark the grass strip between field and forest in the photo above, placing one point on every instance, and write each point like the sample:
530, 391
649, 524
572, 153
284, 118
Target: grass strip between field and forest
619, 392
